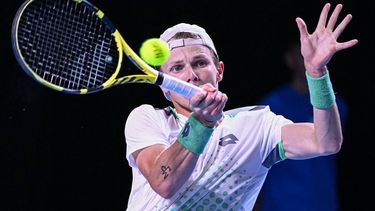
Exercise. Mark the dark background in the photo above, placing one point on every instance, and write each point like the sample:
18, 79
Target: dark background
67, 152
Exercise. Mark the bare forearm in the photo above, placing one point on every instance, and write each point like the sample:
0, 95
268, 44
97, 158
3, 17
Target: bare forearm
171, 169
328, 129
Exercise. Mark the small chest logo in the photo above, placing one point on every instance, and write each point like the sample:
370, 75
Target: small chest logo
228, 139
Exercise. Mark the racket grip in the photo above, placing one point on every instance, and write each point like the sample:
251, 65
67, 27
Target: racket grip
181, 87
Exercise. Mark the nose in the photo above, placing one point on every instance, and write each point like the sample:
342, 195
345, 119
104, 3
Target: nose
193, 75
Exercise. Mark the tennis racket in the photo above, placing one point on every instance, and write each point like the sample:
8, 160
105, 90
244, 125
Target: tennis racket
72, 47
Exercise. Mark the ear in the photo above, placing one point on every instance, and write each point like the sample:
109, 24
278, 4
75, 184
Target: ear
220, 71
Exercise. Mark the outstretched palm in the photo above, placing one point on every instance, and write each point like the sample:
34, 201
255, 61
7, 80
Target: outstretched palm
319, 47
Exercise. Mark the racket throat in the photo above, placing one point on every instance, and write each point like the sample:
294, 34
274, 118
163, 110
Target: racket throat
159, 79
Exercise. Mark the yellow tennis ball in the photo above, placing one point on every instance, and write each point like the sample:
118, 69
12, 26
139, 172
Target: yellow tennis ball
154, 51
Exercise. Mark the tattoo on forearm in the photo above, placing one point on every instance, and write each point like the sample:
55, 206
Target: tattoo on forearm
165, 170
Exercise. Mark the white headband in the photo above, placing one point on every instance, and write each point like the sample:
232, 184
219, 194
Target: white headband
205, 39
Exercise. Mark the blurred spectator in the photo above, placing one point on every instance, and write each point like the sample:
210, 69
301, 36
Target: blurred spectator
293, 185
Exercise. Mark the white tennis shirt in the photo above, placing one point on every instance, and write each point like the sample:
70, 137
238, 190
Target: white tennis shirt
229, 173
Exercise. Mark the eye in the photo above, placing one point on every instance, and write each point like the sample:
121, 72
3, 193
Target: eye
201, 63
176, 68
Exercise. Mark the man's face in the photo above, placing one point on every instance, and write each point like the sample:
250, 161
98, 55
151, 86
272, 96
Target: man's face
193, 64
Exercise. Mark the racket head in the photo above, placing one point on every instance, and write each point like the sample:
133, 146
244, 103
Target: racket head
67, 45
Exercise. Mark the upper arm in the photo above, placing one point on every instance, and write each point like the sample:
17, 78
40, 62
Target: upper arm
299, 141
307, 140
146, 157
143, 129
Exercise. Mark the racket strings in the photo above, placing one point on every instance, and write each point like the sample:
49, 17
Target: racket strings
67, 44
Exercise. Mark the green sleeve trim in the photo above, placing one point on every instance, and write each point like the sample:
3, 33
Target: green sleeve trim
281, 150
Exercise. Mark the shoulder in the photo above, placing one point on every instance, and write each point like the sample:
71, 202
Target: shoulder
249, 115
255, 115
149, 113
248, 110
143, 108
142, 113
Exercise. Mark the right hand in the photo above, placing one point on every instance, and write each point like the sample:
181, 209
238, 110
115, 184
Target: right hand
208, 105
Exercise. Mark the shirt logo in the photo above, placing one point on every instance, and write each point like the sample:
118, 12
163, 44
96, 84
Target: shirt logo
186, 130
228, 139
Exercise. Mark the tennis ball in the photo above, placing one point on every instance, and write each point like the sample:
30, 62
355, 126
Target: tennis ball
154, 51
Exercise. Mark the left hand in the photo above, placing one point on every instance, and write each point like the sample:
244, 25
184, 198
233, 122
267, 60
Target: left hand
319, 47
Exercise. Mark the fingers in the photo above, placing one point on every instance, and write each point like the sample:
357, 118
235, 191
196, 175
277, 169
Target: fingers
347, 44
216, 105
208, 105
325, 33
340, 28
197, 99
302, 28
333, 19
323, 17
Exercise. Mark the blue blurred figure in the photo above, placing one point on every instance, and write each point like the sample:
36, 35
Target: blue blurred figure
292, 185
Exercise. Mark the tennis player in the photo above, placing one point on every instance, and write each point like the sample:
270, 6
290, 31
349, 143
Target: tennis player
196, 156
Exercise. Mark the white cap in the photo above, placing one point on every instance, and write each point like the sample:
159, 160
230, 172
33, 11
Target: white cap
205, 39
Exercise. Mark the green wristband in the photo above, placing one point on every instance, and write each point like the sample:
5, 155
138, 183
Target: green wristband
194, 135
321, 91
